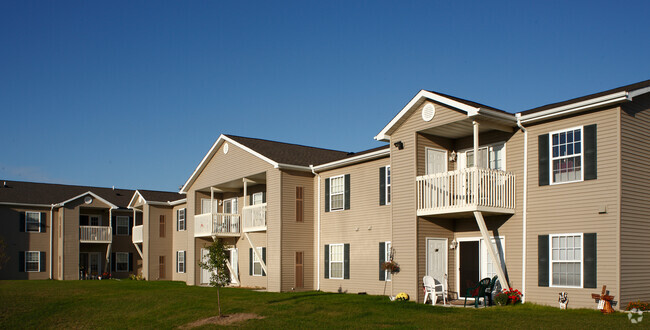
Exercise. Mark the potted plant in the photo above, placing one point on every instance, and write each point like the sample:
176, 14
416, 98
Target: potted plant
390, 266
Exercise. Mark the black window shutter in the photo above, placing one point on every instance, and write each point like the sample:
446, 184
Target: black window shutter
590, 152
130, 261
43, 222
327, 261
22, 222
542, 260
42, 261
542, 147
382, 186
382, 259
347, 191
184, 219
113, 261
263, 196
250, 261
327, 196
114, 224
178, 268
590, 260
21, 261
346, 261
130, 224
263, 259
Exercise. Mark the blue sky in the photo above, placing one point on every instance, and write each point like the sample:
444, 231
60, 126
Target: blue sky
132, 94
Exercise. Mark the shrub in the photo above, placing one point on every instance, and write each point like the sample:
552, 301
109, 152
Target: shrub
638, 305
508, 297
136, 277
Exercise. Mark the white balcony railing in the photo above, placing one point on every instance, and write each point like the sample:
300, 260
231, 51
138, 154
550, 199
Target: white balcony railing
471, 189
136, 234
219, 224
95, 234
254, 217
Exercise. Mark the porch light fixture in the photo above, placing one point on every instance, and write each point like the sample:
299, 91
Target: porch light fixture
399, 145
453, 244
452, 156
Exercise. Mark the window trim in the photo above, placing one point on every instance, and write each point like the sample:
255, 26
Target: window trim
179, 263
261, 196
388, 185
214, 204
234, 205
117, 268
117, 225
387, 249
342, 245
259, 250
39, 222
426, 158
38, 263
550, 260
182, 211
342, 193
551, 180
462, 154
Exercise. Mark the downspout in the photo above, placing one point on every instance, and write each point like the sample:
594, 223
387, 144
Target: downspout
318, 232
51, 237
525, 207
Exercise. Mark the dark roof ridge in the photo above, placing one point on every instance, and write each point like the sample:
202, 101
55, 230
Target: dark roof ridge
287, 143
2, 181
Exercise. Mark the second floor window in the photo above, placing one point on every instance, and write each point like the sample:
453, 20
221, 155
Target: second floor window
180, 219
388, 184
122, 225
33, 221
566, 155
491, 156
337, 193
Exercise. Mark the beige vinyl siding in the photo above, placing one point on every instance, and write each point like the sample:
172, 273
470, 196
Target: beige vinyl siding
436, 228
574, 207
635, 200
297, 236
363, 226
403, 208
17, 241
436, 142
122, 244
243, 246
273, 233
180, 242
160, 246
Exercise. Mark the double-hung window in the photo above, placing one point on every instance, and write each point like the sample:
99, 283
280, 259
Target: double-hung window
33, 221
32, 261
180, 219
121, 261
336, 261
257, 265
388, 185
566, 260
566, 155
122, 225
180, 261
387, 251
337, 193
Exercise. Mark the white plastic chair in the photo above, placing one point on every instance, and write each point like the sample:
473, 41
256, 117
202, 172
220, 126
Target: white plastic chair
433, 288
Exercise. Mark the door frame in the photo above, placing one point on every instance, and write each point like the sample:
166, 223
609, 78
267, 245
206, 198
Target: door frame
478, 239
426, 158
426, 255
201, 277
235, 264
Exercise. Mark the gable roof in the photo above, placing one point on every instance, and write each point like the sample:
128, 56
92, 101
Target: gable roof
469, 107
46, 194
157, 198
278, 154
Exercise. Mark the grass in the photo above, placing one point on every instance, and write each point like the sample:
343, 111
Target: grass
139, 304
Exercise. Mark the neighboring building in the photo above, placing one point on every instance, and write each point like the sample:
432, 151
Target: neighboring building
550, 199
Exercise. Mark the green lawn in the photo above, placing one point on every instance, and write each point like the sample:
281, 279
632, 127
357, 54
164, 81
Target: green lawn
138, 304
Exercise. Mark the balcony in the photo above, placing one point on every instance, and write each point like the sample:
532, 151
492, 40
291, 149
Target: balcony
95, 234
136, 234
255, 217
464, 191
216, 224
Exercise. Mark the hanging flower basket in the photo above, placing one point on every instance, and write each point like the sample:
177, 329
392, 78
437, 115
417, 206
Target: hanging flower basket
390, 266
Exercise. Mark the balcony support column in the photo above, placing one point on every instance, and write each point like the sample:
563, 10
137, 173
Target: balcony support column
493, 253
474, 196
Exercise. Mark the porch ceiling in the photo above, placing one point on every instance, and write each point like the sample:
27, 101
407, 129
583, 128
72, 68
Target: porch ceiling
463, 128
236, 184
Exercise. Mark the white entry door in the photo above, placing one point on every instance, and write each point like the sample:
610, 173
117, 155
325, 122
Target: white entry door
95, 265
437, 259
205, 274
234, 263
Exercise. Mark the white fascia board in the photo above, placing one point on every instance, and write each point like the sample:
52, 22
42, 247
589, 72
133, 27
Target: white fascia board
496, 114
27, 204
638, 92
292, 167
113, 206
213, 150
133, 200
428, 95
575, 107
178, 202
353, 160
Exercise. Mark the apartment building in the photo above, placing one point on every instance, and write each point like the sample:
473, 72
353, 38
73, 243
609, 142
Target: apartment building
550, 199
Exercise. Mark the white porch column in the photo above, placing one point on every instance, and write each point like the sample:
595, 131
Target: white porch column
476, 126
493, 254
475, 187
245, 187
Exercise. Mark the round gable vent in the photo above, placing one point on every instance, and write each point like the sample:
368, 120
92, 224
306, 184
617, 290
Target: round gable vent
428, 112
88, 200
225, 148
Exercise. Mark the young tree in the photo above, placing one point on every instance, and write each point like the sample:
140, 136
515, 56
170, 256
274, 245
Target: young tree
216, 263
